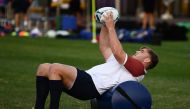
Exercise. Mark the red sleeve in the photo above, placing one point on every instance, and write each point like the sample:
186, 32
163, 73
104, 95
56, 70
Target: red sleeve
135, 67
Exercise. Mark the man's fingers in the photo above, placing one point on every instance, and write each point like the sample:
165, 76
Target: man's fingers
110, 13
104, 17
107, 16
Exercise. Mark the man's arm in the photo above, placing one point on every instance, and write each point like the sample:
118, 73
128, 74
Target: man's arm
115, 44
104, 43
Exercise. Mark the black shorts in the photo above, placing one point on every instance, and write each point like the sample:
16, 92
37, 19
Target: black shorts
104, 3
20, 6
83, 88
149, 6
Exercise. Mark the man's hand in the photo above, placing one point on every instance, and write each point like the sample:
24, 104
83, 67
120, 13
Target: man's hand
108, 19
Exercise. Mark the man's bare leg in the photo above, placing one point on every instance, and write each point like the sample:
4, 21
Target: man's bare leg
59, 77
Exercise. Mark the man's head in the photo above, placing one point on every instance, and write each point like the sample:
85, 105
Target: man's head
147, 56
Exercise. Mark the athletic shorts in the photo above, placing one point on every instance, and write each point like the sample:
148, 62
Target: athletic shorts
149, 5
83, 87
20, 6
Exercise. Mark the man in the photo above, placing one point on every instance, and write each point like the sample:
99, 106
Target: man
149, 17
85, 85
20, 9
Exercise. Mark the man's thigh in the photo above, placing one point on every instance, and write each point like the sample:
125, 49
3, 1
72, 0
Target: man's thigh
67, 73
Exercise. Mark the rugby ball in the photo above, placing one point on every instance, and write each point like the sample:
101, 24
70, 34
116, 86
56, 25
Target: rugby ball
100, 12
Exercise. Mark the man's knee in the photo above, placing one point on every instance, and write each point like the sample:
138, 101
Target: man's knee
55, 71
43, 69
63, 72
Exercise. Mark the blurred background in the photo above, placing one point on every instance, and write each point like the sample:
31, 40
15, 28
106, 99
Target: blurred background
61, 31
73, 19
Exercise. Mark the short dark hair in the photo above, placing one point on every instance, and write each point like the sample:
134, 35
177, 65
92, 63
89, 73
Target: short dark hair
153, 57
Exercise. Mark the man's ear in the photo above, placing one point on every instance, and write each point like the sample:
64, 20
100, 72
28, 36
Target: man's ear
147, 60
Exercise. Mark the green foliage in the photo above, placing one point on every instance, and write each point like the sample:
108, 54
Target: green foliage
19, 57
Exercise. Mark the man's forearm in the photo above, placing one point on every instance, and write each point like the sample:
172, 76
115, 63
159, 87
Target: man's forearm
104, 43
116, 46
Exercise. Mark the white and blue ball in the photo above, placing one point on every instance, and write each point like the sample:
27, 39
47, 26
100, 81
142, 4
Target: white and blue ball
100, 12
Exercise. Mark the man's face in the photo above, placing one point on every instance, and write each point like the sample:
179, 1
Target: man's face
142, 55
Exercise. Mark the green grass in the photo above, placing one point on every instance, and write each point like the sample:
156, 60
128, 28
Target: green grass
19, 57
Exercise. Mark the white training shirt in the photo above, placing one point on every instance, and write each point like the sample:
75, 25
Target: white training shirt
111, 73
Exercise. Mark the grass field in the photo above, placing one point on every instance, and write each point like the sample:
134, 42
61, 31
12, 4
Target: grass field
169, 83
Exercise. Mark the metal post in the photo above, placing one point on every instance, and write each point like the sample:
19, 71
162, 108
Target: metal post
93, 22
